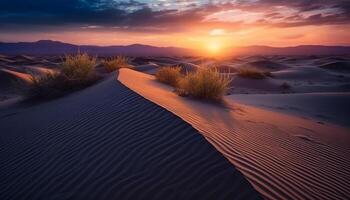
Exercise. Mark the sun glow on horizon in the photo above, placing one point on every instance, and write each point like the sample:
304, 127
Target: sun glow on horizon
214, 47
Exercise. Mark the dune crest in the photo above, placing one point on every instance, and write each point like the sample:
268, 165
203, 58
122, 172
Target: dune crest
19, 75
283, 157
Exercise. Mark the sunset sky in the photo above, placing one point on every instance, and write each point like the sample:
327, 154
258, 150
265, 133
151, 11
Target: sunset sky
181, 23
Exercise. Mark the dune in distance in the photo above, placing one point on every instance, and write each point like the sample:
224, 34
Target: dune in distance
175, 100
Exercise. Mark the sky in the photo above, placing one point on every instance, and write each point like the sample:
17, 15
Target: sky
194, 24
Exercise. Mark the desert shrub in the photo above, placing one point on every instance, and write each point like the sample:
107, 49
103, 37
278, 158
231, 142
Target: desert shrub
169, 75
252, 73
44, 86
112, 64
204, 84
52, 85
78, 67
76, 72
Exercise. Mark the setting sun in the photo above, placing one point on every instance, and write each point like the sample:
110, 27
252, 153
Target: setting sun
214, 47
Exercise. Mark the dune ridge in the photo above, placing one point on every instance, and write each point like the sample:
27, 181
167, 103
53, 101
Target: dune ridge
18, 75
282, 156
341, 66
107, 142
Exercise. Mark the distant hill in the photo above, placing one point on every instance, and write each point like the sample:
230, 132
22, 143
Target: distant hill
49, 47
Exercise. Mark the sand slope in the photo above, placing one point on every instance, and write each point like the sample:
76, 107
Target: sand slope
321, 107
107, 142
283, 157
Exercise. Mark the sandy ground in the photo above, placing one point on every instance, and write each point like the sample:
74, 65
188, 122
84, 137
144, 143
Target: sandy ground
283, 156
289, 142
314, 74
107, 142
303, 74
320, 107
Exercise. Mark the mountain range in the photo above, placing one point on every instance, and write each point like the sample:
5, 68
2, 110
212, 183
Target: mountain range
49, 47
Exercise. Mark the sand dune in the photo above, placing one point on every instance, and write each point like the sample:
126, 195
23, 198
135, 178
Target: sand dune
225, 68
283, 156
9, 77
340, 66
156, 60
303, 73
150, 68
39, 70
107, 142
330, 59
5, 59
188, 67
24, 60
9, 80
265, 65
6, 78
246, 85
322, 107
301, 76
17, 75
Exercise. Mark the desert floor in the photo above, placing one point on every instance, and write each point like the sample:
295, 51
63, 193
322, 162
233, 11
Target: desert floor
131, 137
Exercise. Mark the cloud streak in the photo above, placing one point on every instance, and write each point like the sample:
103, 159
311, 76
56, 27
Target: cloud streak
142, 15
185, 23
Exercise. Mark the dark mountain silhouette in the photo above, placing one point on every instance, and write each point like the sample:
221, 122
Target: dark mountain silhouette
49, 47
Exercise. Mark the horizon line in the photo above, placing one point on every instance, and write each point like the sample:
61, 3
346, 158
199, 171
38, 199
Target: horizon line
131, 44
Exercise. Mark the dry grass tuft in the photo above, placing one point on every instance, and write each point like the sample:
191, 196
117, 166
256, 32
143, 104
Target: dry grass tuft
77, 72
112, 64
78, 67
206, 84
169, 75
39, 87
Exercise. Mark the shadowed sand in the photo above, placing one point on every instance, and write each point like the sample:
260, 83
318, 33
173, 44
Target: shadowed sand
107, 142
283, 156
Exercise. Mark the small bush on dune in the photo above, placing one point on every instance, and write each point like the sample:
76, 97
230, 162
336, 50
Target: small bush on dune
169, 75
253, 73
112, 64
204, 84
76, 73
40, 86
78, 67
